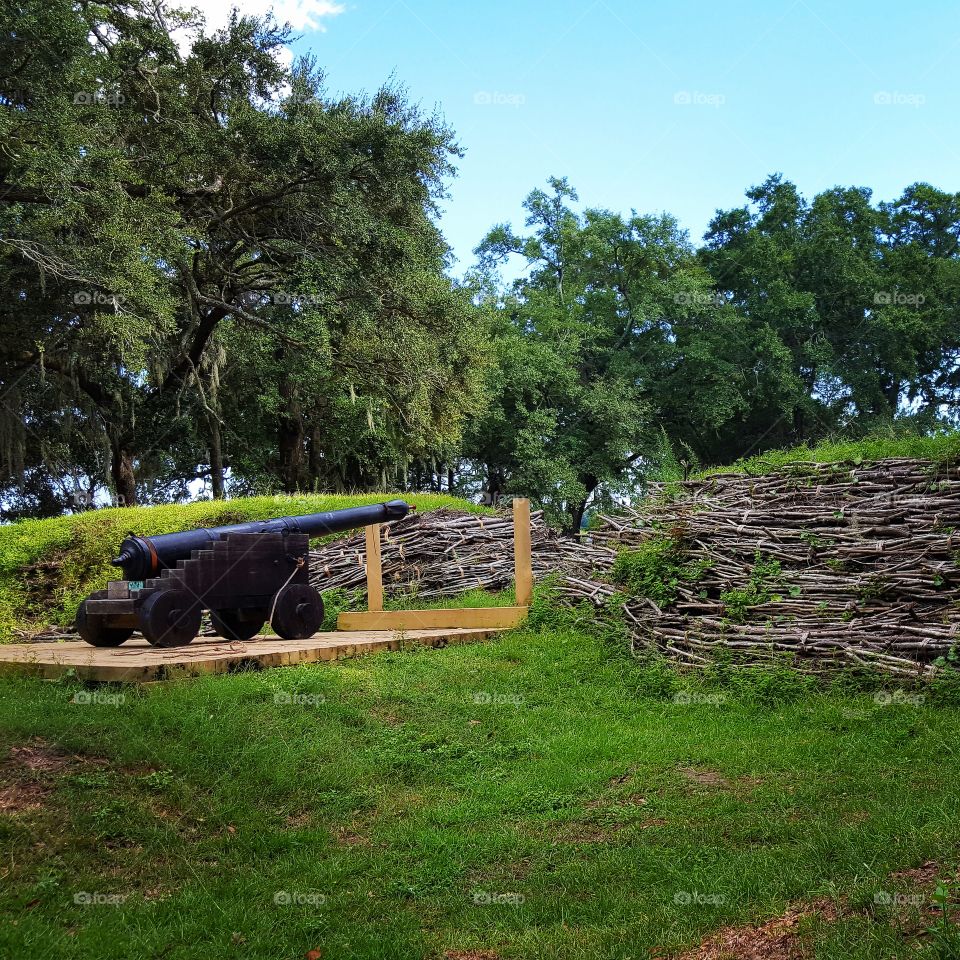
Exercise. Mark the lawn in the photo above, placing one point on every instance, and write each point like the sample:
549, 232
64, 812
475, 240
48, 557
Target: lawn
542, 795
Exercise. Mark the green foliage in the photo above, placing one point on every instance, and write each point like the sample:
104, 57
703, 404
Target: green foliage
585, 342
765, 575
211, 262
656, 569
626, 356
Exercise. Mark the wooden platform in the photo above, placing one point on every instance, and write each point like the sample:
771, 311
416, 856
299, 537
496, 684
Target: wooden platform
473, 618
137, 662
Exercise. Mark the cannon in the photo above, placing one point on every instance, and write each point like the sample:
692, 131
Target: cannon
245, 574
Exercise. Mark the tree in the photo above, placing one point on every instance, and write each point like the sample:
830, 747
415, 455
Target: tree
152, 194
588, 338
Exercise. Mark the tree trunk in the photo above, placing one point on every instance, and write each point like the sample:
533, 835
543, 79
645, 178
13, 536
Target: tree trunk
892, 394
576, 518
216, 459
290, 446
313, 458
124, 481
290, 439
577, 510
450, 480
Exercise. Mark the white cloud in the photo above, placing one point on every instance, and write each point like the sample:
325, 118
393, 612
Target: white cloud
300, 14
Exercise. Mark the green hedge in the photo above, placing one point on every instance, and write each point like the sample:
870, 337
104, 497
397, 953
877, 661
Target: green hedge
48, 566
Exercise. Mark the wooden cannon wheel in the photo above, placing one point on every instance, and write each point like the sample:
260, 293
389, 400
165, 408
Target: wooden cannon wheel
94, 630
297, 612
170, 618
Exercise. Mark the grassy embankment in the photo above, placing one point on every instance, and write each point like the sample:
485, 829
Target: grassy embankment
944, 448
48, 566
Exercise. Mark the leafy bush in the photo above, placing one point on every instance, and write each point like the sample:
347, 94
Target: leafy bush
656, 569
765, 574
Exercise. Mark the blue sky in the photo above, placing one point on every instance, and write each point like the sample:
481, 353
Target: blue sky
668, 106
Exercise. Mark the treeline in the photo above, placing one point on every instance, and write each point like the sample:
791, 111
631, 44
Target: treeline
216, 276
622, 346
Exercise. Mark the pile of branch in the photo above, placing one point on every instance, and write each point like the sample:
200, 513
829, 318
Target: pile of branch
869, 566
446, 552
869, 559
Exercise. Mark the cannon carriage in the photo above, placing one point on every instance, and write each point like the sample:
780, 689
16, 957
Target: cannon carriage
244, 574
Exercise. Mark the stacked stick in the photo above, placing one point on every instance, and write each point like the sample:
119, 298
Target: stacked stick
445, 552
869, 560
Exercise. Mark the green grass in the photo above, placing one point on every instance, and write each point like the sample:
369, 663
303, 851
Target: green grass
941, 448
540, 796
48, 566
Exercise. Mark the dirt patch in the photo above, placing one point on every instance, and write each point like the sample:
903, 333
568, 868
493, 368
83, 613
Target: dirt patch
577, 833
26, 774
387, 716
925, 875
704, 777
349, 838
21, 797
471, 955
777, 939
39, 757
297, 821
780, 938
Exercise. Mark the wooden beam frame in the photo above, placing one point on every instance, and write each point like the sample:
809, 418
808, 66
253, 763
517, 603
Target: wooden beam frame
491, 618
374, 571
522, 563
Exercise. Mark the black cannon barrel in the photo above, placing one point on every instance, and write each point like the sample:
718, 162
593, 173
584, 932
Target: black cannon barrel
143, 557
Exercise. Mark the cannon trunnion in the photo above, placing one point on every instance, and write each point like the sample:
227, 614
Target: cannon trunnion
245, 575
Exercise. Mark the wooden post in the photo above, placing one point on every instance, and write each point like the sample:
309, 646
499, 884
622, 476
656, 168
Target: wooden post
374, 575
522, 570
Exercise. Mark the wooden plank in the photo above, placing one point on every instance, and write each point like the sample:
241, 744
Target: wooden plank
494, 618
108, 607
522, 566
137, 662
374, 574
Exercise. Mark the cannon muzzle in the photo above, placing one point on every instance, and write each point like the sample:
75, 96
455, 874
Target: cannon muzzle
144, 557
